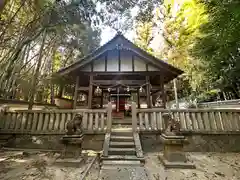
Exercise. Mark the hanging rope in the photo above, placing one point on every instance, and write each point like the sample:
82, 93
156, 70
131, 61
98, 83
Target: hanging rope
97, 85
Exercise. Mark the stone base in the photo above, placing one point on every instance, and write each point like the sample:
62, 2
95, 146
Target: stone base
175, 164
73, 146
70, 162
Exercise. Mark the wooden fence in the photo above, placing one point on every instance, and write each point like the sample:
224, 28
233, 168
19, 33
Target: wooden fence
191, 120
54, 121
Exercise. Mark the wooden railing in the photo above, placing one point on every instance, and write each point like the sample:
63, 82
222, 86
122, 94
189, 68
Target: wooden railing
54, 121
191, 120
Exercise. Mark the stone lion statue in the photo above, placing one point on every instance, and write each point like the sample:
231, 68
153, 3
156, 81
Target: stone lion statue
172, 126
3, 110
74, 126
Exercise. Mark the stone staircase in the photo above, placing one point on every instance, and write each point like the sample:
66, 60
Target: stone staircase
120, 149
4, 139
122, 122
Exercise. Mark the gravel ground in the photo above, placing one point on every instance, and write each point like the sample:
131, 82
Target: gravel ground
40, 166
209, 166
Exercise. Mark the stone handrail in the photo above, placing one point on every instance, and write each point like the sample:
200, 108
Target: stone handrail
191, 120
220, 104
53, 121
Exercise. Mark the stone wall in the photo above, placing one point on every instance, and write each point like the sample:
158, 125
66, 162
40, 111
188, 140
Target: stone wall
197, 143
214, 143
150, 143
52, 142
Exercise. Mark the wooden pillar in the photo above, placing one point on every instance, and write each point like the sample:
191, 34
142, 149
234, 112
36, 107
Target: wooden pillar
60, 92
75, 93
163, 93
138, 98
117, 100
90, 92
109, 117
134, 117
102, 99
148, 92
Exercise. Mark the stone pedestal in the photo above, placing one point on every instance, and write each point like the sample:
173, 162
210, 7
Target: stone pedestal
73, 146
173, 155
71, 154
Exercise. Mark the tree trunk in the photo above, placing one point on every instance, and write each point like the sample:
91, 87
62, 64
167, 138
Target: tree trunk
52, 71
35, 77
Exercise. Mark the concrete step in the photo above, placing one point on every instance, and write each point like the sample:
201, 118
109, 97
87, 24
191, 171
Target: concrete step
117, 132
122, 157
121, 138
121, 163
122, 144
122, 151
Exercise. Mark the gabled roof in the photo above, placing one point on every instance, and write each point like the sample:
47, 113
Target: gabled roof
119, 38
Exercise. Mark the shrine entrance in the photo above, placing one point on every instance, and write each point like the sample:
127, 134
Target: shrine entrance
121, 101
119, 72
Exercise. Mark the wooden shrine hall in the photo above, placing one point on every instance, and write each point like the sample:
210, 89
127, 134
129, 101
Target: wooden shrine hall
120, 72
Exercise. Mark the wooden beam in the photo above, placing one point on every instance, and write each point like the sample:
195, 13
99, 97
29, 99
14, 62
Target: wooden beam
90, 92
133, 63
146, 67
83, 88
106, 56
117, 73
119, 61
75, 93
91, 66
148, 92
115, 82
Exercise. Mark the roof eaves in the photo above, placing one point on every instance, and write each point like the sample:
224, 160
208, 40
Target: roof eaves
89, 55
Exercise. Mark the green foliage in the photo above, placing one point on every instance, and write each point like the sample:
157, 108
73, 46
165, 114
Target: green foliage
202, 38
71, 33
211, 95
180, 32
144, 36
218, 48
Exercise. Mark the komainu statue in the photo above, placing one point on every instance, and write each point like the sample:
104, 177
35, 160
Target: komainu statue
74, 126
3, 109
73, 139
172, 126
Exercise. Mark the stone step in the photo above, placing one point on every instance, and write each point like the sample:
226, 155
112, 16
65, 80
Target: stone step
121, 138
123, 157
122, 151
121, 133
122, 144
121, 163
3, 142
5, 137
122, 122
122, 130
